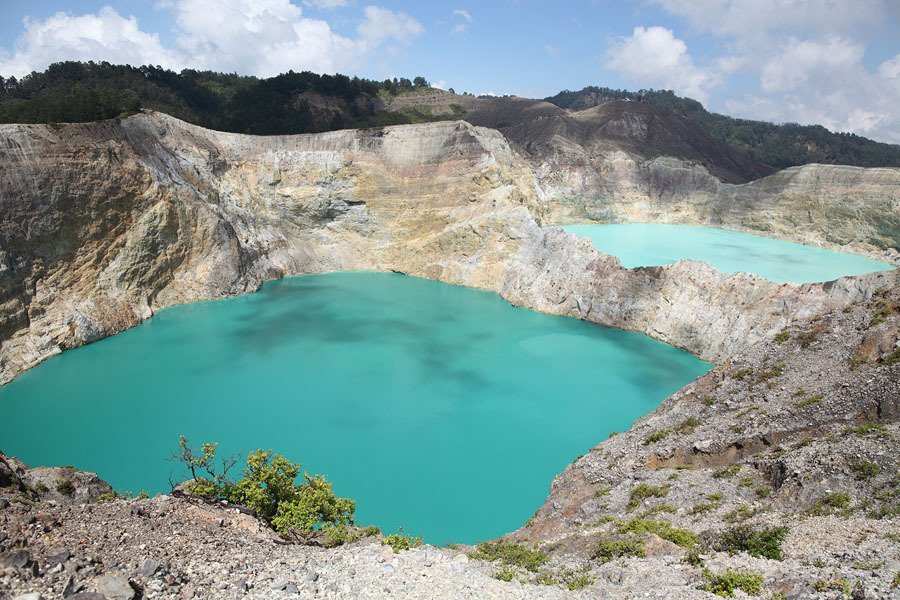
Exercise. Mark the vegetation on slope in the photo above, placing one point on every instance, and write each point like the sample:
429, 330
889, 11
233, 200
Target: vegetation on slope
779, 146
289, 103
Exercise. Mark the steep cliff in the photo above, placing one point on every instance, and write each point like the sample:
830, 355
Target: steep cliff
102, 224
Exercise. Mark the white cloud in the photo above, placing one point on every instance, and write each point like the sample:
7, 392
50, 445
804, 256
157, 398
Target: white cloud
806, 56
105, 35
325, 4
458, 28
463, 13
654, 57
551, 50
260, 37
748, 19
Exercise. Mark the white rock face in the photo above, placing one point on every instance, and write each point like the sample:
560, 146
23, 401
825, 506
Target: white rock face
102, 224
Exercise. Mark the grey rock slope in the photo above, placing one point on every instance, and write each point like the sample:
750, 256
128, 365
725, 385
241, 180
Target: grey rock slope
102, 224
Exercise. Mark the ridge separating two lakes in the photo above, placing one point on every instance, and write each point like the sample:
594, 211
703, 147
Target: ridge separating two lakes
657, 244
439, 408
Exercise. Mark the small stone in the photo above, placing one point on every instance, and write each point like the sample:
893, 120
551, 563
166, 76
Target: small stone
58, 557
115, 586
291, 588
87, 596
16, 559
3, 536
148, 567
279, 584
312, 576
30, 596
4, 503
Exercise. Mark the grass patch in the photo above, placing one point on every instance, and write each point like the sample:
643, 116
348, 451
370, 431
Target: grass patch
808, 401
864, 470
504, 573
709, 401
510, 554
831, 503
745, 482
765, 542
657, 436
607, 549
666, 508
724, 584
740, 514
742, 374
679, 537
771, 373
727, 472
746, 412
807, 338
782, 336
869, 428
643, 491
688, 426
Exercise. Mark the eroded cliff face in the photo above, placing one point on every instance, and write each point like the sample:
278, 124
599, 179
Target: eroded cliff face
102, 224
838, 207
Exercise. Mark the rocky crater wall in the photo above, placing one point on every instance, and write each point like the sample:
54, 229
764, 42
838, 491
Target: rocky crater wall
103, 224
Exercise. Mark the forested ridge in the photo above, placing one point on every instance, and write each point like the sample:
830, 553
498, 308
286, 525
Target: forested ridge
779, 145
308, 102
288, 103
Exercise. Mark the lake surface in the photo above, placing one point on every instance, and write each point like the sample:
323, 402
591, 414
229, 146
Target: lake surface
439, 408
645, 245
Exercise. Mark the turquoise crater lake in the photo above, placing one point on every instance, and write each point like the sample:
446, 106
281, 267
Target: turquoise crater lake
647, 245
439, 408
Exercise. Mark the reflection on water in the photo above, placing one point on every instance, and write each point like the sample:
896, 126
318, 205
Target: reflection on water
439, 408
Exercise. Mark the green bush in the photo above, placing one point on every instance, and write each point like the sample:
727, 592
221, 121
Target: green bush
764, 542
269, 488
402, 541
657, 436
65, 487
727, 472
505, 573
782, 336
831, 503
809, 401
679, 537
724, 584
688, 426
608, 549
864, 469
642, 491
510, 553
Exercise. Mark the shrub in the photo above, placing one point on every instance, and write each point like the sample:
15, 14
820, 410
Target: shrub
511, 554
657, 436
782, 336
741, 513
608, 549
402, 541
580, 581
688, 426
863, 469
505, 573
679, 537
269, 488
709, 400
831, 503
740, 374
764, 542
869, 427
771, 373
809, 401
65, 487
727, 472
724, 584
643, 491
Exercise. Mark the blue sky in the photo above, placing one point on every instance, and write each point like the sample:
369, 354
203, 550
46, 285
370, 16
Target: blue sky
833, 62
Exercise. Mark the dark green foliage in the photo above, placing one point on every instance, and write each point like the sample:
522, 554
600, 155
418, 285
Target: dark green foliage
765, 542
269, 488
510, 554
724, 584
642, 491
80, 92
65, 487
610, 549
864, 469
780, 146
